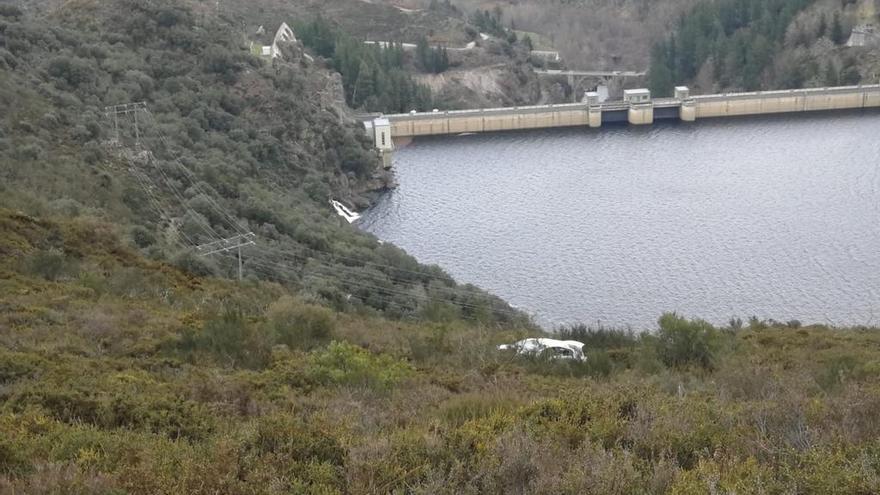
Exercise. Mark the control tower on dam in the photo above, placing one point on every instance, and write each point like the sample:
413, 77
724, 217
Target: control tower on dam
636, 108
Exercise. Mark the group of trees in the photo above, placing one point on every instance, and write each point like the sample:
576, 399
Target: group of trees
740, 37
374, 76
431, 59
836, 33
490, 22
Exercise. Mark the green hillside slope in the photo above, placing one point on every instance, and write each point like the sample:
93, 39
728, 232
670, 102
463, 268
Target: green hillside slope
230, 143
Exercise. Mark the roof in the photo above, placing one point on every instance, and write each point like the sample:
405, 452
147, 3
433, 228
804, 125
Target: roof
640, 91
381, 121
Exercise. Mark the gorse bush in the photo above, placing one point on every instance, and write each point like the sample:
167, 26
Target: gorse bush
300, 326
232, 340
682, 343
599, 338
345, 364
51, 264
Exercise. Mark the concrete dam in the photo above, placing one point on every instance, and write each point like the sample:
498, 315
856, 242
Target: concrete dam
637, 108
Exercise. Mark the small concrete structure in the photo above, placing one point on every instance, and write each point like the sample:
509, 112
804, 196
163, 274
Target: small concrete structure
637, 95
641, 109
549, 55
682, 92
594, 112
688, 110
382, 134
863, 35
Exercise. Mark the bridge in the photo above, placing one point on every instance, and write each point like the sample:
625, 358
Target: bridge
577, 78
637, 108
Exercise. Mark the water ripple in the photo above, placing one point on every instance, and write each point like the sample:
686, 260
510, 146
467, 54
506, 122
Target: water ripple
773, 217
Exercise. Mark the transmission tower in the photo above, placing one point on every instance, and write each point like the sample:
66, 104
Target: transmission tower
222, 245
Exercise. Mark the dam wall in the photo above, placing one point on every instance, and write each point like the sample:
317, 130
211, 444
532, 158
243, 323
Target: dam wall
789, 101
639, 109
489, 119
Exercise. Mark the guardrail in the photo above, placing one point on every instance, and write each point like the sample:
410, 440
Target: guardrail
789, 92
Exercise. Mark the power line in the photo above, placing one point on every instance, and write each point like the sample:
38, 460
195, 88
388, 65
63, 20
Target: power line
283, 268
220, 246
217, 244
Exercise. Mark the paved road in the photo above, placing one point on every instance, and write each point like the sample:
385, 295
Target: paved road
592, 73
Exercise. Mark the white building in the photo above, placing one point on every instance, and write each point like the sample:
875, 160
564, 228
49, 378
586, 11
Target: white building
382, 134
637, 95
283, 35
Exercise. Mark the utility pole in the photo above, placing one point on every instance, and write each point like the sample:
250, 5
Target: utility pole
234, 243
229, 244
239, 263
129, 108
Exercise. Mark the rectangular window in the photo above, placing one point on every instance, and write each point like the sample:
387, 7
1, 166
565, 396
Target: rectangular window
383, 139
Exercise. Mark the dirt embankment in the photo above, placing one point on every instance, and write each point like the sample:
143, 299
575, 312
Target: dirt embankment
491, 86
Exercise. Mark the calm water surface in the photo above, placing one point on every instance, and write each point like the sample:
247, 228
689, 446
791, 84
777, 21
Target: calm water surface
774, 217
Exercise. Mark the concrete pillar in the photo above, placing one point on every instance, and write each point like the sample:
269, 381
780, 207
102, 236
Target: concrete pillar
382, 130
682, 93
641, 114
594, 116
688, 111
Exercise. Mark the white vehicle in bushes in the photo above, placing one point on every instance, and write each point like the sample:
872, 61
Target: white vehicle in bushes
552, 348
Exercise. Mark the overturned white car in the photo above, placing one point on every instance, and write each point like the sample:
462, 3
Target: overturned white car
554, 349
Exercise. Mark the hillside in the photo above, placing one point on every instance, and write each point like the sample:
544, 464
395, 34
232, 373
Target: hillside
120, 374
229, 144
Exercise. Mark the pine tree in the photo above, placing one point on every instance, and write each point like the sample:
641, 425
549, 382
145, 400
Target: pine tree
823, 26
837, 35
423, 54
660, 75
831, 76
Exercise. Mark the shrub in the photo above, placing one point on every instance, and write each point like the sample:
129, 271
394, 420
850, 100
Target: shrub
300, 326
232, 340
51, 265
599, 338
347, 364
75, 71
196, 265
12, 459
682, 343
14, 366
291, 439
142, 237
10, 11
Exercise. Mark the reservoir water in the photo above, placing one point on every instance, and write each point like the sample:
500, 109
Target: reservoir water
774, 217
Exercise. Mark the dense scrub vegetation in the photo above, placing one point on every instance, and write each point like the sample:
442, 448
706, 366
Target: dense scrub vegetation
374, 76
128, 364
119, 374
231, 143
